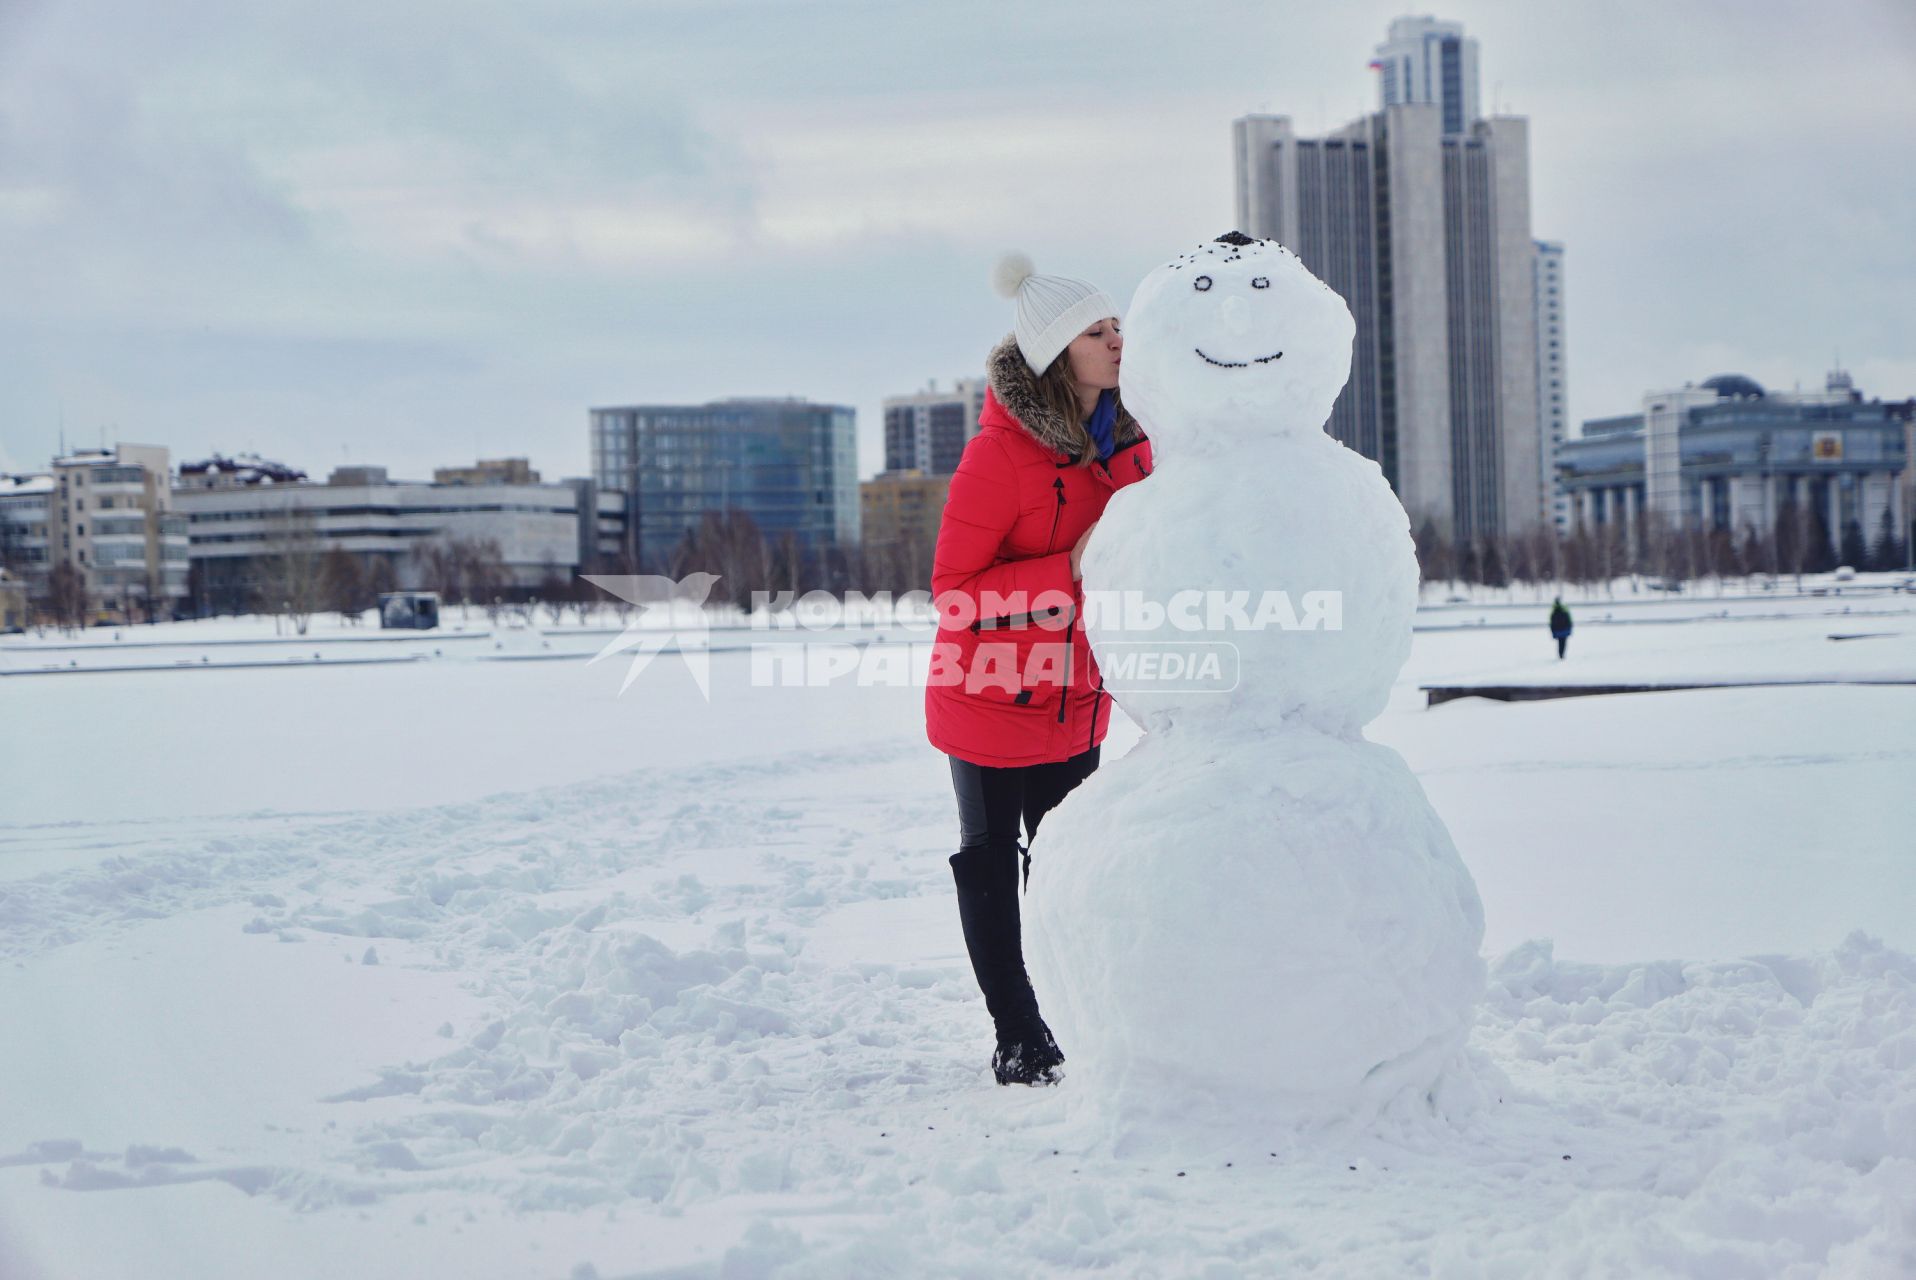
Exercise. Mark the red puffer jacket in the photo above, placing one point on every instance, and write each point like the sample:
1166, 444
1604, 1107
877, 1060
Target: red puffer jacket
1006, 686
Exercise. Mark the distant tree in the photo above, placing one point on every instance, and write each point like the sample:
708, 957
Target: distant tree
1533, 555
196, 587
1751, 557
593, 596
730, 545
1721, 556
483, 573
291, 580
462, 570
1433, 559
342, 584
788, 570
1854, 552
1819, 551
66, 596
1608, 559
553, 591
1634, 544
381, 577
836, 567
1492, 560
1887, 552
1463, 560
433, 566
1787, 540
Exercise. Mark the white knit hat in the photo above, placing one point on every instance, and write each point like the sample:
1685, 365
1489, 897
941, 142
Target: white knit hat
1052, 310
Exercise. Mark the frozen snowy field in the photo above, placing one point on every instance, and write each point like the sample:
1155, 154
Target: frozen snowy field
469, 967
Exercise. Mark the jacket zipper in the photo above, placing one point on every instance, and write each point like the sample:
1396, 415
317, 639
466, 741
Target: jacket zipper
1097, 700
1057, 513
1064, 695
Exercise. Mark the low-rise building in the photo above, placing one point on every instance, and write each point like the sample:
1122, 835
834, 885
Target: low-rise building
14, 614
902, 507
244, 540
111, 516
489, 471
1728, 455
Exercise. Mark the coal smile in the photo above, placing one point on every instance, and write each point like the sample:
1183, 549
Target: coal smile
1237, 364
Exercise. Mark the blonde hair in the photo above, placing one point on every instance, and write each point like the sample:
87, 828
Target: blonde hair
1058, 392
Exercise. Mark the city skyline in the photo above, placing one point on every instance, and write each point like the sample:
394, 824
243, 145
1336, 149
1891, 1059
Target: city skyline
448, 233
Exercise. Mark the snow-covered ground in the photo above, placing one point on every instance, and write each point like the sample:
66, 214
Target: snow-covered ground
469, 966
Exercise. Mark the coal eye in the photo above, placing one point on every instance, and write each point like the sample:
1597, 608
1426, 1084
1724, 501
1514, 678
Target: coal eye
1262, 282
1201, 283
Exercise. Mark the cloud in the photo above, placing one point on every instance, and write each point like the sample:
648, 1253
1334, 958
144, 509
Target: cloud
412, 229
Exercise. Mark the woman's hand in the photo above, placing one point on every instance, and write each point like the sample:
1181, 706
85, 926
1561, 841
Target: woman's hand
1077, 553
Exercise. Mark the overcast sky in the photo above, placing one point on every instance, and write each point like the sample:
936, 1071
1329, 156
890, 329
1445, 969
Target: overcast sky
414, 233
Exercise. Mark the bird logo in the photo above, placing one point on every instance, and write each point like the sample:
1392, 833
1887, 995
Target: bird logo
670, 617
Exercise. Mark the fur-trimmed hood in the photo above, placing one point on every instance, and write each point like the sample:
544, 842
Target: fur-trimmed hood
1016, 388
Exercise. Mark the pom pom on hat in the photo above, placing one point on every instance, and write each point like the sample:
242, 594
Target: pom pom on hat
1011, 272
1052, 310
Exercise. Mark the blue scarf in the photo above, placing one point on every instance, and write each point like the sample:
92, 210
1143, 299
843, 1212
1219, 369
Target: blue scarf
1104, 424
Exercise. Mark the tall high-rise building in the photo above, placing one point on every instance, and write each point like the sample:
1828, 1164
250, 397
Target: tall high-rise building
927, 431
1425, 233
791, 465
1552, 382
1425, 60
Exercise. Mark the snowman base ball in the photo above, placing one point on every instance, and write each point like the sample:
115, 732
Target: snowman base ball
1297, 942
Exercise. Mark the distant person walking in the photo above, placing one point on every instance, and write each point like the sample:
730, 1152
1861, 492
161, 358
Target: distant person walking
1560, 625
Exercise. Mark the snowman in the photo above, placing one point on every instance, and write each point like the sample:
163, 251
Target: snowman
1256, 908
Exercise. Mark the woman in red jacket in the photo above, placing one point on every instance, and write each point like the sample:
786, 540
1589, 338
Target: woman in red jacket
1014, 697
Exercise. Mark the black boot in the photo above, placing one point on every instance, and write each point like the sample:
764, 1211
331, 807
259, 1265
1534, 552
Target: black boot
987, 879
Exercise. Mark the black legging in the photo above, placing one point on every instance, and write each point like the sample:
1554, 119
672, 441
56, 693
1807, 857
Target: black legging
991, 802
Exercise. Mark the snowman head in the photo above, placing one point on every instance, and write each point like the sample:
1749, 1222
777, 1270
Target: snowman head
1233, 342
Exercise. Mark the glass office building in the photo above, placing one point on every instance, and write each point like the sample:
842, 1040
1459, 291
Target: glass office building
791, 465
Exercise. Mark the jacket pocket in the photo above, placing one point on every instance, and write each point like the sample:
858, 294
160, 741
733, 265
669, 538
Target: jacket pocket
1024, 664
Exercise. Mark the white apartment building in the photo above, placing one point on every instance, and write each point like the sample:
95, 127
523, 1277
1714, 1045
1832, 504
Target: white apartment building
927, 430
25, 517
1553, 382
110, 515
